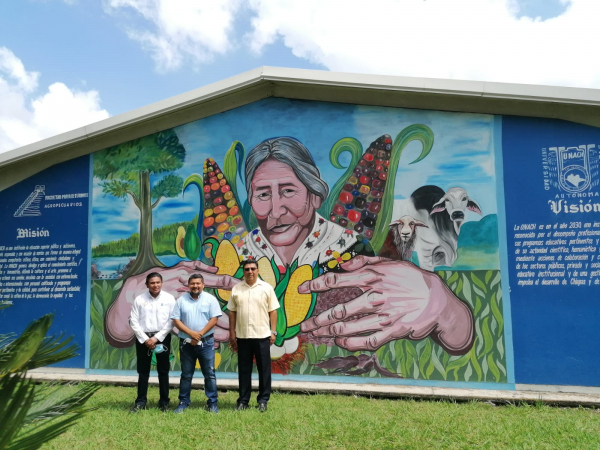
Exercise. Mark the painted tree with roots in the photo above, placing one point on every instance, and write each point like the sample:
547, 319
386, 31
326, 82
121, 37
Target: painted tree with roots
130, 169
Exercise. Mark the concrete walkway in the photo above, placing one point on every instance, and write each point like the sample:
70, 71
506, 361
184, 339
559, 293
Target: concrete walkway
367, 390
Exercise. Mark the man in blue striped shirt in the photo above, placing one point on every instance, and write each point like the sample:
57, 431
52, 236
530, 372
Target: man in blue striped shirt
195, 315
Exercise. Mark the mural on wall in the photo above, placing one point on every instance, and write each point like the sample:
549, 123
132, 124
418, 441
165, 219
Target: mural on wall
376, 227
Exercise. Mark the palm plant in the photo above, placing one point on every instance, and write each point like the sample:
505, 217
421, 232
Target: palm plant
33, 414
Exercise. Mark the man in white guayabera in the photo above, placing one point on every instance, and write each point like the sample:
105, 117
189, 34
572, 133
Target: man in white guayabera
151, 322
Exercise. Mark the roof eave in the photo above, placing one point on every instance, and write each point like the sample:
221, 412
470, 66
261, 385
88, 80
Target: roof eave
574, 104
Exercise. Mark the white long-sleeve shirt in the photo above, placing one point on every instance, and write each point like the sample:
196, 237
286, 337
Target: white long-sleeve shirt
150, 314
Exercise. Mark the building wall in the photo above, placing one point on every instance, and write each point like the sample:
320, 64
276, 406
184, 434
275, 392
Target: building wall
489, 201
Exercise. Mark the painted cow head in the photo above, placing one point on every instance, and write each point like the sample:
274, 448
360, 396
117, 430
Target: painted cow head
456, 202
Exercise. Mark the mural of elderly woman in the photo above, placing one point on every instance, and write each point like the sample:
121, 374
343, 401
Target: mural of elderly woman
397, 299
285, 190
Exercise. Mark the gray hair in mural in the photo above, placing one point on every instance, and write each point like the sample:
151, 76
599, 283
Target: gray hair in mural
289, 151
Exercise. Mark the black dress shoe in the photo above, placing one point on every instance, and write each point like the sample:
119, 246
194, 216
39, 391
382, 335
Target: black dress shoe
164, 408
241, 406
262, 407
137, 408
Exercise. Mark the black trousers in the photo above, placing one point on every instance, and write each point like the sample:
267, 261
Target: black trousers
143, 369
248, 349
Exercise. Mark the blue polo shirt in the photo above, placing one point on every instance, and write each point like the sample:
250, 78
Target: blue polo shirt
195, 314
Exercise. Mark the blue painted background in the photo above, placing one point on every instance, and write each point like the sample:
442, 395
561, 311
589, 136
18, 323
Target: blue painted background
554, 327
66, 225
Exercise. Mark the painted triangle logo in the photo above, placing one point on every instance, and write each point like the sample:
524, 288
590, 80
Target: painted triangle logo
31, 206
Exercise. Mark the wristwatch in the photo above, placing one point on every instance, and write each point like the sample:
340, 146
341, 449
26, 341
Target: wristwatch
274, 333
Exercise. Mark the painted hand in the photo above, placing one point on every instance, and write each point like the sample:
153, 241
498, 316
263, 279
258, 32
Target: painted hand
116, 325
399, 301
221, 330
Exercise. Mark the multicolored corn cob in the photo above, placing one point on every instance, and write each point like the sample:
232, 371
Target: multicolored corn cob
359, 202
222, 216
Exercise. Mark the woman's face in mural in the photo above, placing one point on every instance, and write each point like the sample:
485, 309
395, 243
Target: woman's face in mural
284, 207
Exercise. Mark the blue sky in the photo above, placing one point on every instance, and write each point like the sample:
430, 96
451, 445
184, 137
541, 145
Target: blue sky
462, 154
66, 63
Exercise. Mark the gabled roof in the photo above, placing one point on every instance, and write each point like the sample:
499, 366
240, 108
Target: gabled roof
573, 104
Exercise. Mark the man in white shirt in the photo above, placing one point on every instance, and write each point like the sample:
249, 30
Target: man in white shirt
151, 322
253, 327
195, 316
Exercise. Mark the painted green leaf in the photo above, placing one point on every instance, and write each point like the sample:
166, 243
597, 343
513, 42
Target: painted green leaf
425, 357
420, 346
192, 244
488, 275
500, 346
197, 180
496, 279
438, 365
232, 165
468, 372
453, 278
476, 365
502, 368
458, 363
477, 305
478, 282
484, 368
493, 368
467, 290
478, 334
487, 335
429, 370
97, 291
496, 313
355, 149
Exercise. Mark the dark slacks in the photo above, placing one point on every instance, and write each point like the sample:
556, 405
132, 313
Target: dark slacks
248, 349
143, 369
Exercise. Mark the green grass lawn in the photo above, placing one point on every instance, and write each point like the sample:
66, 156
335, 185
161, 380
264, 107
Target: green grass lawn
296, 421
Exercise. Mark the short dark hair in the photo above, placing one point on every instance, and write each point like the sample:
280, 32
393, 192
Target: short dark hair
195, 276
153, 275
249, 261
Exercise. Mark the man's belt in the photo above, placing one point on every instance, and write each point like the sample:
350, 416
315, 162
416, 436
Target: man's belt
205, 338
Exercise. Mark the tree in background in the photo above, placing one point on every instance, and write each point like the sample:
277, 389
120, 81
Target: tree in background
31, 414
126, 169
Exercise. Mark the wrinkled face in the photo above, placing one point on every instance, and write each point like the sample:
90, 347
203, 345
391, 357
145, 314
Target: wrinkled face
195, 285
250, 273
154, 285
282, 204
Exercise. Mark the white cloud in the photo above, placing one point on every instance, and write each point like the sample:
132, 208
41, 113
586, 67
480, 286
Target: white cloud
13, 68
182, 30
460, 39
26, 117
